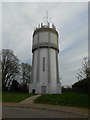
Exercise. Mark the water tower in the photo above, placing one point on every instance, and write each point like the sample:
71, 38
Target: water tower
45, 67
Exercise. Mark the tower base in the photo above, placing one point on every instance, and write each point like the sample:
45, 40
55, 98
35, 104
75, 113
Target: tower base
45, 89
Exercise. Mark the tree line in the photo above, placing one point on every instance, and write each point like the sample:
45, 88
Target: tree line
83, 76
15, 75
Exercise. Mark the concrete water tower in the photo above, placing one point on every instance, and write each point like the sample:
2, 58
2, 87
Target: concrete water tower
45, 67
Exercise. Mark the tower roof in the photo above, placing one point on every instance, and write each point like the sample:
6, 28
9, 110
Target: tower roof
46, 25
45, 28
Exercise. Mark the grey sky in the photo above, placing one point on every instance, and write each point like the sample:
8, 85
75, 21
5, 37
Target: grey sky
71, 20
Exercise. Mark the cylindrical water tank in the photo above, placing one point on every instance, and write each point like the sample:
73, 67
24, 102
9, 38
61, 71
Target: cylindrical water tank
45, 72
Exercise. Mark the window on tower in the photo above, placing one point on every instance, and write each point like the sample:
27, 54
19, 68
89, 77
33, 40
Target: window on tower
43, 63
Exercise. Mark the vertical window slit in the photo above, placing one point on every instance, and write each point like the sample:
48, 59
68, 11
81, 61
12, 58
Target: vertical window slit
43, 63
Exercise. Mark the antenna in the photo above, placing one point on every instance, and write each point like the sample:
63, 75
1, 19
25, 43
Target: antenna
47, 16
50, 19
47, 20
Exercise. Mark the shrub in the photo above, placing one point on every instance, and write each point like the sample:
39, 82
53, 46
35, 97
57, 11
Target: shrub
81, 86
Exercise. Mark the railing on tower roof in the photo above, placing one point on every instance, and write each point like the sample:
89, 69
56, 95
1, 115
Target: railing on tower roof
46, 25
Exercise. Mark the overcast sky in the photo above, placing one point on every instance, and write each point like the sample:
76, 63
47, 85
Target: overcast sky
71, 20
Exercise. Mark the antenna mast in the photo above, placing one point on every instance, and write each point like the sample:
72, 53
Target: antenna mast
47, 17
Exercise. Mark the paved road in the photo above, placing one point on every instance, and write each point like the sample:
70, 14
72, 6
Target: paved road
14, 112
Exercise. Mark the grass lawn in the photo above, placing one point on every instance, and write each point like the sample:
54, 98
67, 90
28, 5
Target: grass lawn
14, 96
0, 96
65, 99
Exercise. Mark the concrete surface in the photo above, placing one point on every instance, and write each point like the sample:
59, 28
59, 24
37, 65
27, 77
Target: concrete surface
29, 100
28, 104
14, 112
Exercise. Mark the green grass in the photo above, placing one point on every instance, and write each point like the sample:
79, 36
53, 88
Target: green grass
65, 99
0, 96
14, 96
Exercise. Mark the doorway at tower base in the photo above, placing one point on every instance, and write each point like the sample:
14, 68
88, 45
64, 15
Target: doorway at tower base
45, 89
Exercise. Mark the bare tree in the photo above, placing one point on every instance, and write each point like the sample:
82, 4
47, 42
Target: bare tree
26, 72
84, 72
10, 66
0, 71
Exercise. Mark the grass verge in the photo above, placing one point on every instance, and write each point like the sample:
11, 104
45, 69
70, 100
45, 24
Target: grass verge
0, 96
65, 99
14, 96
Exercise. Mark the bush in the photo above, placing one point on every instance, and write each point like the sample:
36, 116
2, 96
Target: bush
67, 89
14, 86
82, 86
23, 87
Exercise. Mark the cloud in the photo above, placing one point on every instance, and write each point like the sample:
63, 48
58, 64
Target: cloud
71, 21
45, 1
